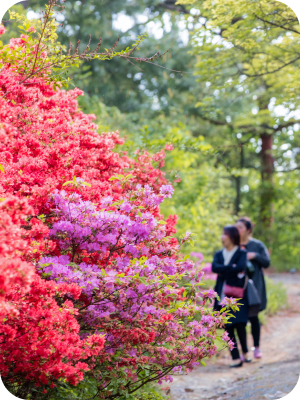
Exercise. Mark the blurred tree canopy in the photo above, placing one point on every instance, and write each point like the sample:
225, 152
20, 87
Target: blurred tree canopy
248, 56
230, 111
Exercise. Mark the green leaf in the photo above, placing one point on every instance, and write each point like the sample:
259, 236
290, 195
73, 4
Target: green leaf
68, 183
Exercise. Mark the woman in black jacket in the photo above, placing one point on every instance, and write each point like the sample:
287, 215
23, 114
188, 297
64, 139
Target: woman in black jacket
258, 255
230, 264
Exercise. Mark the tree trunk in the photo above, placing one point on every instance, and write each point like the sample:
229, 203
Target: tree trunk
238, 195
238, 182
267, 189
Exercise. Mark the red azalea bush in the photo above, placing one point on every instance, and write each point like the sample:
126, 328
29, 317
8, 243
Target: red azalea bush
13, 269
59, 142
46, 140
107, 264
39, 338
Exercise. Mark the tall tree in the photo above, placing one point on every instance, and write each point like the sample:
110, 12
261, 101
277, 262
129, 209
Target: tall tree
248, 53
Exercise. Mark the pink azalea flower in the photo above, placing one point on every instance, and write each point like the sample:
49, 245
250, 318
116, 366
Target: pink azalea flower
169, 147
225, 336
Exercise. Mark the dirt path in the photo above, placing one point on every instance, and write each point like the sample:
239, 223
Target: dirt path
270, 378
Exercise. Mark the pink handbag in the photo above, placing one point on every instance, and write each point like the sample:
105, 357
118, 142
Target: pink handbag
233, 291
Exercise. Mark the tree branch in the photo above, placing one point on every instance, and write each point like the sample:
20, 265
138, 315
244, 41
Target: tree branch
287, 170
219, 123
272, 72
286, 125
278, 25
170, 5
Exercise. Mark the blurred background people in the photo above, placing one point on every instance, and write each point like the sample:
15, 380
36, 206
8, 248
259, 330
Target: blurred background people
258, 256
230, 264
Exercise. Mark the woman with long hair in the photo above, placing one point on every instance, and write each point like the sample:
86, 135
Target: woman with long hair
258, 256
230, 264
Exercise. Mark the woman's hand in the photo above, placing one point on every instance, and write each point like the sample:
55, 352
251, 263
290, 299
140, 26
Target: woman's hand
251, 255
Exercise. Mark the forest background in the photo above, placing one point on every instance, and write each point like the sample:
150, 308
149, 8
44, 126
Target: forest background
225, 96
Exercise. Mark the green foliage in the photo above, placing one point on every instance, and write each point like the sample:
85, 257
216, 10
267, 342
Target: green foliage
247, 57
277, 299
87, 390
257, 41
149, 392
285, 253
76, 183
202, 201
148, 396
12, 26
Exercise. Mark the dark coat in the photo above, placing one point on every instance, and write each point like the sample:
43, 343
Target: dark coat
261, 260
229, 274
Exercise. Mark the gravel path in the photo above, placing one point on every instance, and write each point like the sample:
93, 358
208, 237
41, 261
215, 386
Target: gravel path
270, 378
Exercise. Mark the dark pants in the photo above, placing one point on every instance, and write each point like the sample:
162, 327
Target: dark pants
241, 331
255, 329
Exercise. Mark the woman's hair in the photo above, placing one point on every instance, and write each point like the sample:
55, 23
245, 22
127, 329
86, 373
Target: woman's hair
232, 232
247, 222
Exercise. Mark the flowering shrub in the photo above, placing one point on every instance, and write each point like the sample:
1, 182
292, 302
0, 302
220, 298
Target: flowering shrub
107, 264
45, 140
59, 142
39, 338
127, 267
